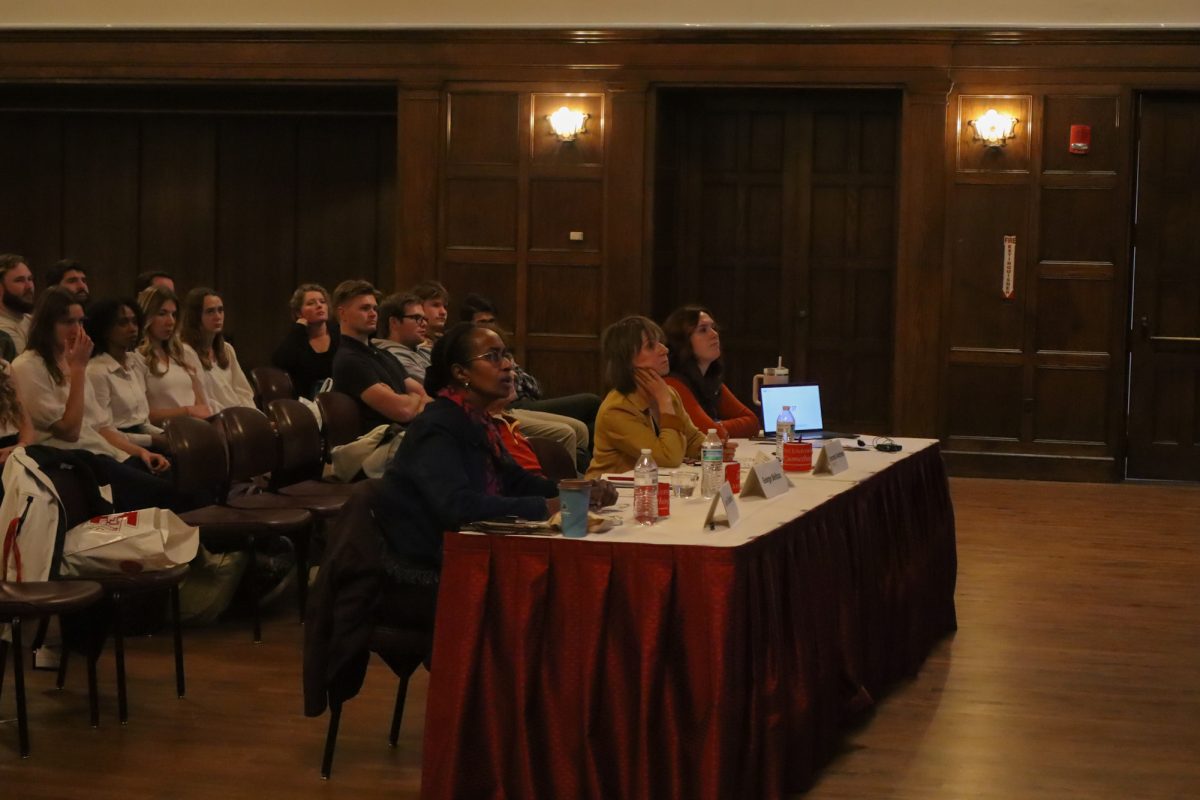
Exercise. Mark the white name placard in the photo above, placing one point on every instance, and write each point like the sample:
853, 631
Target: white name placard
766, 480
832, 459
725, 497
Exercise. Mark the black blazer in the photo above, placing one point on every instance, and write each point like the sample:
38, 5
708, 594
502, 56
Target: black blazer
436, 483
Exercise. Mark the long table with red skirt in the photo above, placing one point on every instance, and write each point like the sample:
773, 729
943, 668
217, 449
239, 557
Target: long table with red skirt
676, 662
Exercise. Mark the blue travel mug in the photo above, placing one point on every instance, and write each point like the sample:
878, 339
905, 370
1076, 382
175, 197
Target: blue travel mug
574, 495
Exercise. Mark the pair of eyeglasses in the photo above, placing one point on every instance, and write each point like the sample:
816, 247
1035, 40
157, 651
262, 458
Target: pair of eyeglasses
417, 318
495, 357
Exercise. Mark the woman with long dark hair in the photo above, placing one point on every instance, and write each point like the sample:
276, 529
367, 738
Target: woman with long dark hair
640, 410
173, 385
694, 341
52, 384
202, 327
15, 428
452, 467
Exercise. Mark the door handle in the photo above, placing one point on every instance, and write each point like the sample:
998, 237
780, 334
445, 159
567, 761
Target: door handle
1145, 322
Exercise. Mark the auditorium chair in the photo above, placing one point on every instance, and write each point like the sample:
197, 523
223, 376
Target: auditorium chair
119, 588
342, 422
270, 383
39, 600
202, 469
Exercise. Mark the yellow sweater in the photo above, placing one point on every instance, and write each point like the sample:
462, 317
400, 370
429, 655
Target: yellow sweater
624, 426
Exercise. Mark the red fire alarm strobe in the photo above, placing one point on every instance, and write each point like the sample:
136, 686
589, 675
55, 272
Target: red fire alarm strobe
1081, 139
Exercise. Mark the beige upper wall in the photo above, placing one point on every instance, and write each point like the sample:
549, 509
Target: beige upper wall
612, 13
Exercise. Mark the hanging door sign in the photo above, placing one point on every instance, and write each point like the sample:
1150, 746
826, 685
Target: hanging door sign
1007, 284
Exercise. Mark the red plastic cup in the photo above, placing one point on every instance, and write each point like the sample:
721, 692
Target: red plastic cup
797, 456
733, 474
664, 499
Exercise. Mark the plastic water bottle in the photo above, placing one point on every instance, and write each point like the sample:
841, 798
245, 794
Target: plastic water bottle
712, 465
645, 489
785, 430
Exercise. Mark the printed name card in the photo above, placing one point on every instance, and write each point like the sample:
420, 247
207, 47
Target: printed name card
766, 480
725, 497
832, 459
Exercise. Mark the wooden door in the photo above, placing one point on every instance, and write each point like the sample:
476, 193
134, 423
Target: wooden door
776, 209
1164, 408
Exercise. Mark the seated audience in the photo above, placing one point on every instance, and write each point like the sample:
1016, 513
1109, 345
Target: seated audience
202, 328
15, 428
118, 375
306, 352
173, 385
640, 409
452, 467
402, 328
150, 278
695, 345
72, 276
52, 383
16, 301
377, 382
435, 301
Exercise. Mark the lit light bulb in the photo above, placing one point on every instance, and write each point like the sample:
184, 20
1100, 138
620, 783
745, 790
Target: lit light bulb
567, 124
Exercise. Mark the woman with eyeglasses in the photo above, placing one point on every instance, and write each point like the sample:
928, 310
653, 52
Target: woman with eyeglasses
202, 327
306, 353
696, 375
452, 467
640, 410
52, 382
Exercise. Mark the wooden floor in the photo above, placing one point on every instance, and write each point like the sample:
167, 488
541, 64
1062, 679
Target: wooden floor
1075, 673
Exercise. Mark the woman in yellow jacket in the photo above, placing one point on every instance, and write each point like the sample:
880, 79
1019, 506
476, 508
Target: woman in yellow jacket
640, 410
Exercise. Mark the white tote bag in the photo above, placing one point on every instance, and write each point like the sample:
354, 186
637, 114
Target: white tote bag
132, 542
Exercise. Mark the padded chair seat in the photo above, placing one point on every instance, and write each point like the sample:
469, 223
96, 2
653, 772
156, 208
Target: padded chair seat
324, 506
222, 519
317, 489
147, 581
43, 598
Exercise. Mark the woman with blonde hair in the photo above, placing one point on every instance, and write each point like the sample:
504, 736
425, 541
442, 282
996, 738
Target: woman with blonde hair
306, 353
202, 327
173, 385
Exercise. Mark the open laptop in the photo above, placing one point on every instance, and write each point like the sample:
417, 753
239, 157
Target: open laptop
804, 400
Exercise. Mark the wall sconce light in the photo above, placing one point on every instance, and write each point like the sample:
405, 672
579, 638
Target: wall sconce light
567, 124
993, 128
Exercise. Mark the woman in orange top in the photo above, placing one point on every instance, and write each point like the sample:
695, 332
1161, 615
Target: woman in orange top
696, 375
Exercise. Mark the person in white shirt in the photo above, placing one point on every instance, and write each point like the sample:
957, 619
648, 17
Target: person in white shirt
202, 325
117, 375
52, 384
15, 428
173, 385
16, 300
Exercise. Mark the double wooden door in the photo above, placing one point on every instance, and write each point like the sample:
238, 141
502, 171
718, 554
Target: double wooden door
1164, 402
776, 209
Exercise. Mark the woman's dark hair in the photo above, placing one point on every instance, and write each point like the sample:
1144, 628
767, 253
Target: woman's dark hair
52, 307
619, 344
191, 324
678, 329
453, 349
102, 318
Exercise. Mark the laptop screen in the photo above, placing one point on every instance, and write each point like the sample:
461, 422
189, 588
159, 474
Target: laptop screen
804, 400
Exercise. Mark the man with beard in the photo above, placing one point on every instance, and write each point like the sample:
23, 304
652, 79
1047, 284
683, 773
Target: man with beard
72, 276
16, 301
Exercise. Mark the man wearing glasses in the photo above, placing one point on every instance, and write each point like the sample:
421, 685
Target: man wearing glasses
403, 328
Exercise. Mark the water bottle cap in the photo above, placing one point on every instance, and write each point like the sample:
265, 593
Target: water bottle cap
787, 408
712, 430
645, 451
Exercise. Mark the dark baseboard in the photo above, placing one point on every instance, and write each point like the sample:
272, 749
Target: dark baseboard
1024, 466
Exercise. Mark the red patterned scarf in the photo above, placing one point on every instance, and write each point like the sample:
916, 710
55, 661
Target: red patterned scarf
458, 396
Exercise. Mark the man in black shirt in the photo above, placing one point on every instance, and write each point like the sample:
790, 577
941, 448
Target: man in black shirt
376, 380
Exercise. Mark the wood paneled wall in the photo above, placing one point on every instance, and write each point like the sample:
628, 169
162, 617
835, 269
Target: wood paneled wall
1031, 385
250, 204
